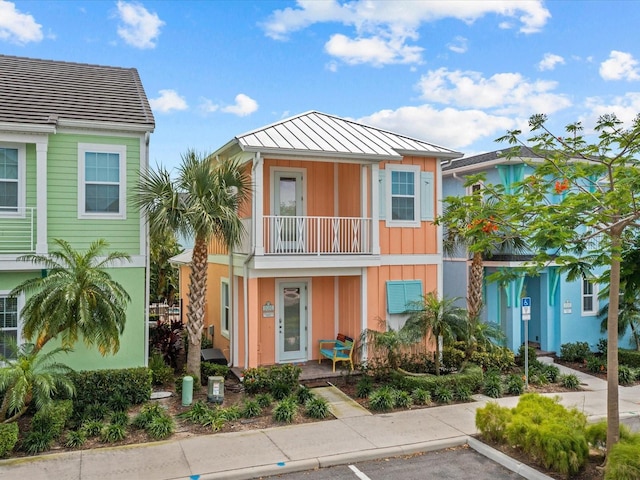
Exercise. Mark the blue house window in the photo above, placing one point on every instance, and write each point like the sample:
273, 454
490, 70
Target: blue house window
402, 295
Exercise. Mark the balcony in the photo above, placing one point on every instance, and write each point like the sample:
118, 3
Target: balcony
297, 235
17, 230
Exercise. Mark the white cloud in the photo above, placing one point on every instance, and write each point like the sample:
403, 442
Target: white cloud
504, 93
383, 30
140, 28
244, 106
375, 50
168, 101
449, 127
549, 62
620, 66
17, 27
625, 107
459, 45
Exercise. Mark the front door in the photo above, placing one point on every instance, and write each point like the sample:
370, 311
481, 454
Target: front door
289, 226
292, 322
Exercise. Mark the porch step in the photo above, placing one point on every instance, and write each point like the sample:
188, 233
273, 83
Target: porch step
340, 404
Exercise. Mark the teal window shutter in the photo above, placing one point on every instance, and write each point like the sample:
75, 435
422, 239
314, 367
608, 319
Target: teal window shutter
402, 294
382, 195
426, 196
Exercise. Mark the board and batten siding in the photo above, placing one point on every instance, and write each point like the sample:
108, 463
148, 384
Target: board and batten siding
62, 195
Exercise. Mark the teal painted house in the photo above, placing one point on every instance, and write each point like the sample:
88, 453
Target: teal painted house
561, 311
73, 139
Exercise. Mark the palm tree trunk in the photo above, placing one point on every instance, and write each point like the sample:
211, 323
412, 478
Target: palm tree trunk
197, 298
613, 415
476, 276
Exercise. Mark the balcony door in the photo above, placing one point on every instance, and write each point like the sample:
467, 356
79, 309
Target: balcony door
290, 228
292, 322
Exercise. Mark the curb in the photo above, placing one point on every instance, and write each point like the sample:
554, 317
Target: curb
507, 462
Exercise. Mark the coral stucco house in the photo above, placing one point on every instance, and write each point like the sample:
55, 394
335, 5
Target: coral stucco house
73, 139
339, 236
562, 311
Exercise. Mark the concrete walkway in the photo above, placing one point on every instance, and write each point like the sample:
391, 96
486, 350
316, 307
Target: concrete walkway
353, 437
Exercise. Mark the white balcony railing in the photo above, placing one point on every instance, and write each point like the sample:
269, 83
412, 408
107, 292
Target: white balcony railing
17, 230
317, 235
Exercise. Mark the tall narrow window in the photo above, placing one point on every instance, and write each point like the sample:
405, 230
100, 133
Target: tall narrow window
102, 181
225, 310
8, 324
589, 306
403, 195
12, 182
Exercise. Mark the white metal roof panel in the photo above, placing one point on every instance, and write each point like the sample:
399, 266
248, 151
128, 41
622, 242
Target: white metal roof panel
315, 133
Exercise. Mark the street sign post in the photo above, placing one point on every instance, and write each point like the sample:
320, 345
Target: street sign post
525, 311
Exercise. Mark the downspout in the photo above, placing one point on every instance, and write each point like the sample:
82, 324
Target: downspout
246, 270
147, 281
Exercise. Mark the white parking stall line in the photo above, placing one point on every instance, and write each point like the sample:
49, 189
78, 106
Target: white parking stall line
358, 473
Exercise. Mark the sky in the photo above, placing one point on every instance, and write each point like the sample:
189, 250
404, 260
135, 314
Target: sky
458, 74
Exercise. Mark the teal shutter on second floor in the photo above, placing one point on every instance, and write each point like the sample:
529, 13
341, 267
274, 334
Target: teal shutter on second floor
426, 196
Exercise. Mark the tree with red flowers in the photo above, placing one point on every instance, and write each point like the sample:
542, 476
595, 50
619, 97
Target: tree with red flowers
579, 209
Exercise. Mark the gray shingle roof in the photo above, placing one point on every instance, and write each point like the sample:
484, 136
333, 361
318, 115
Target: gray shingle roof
315, 133
32, 91
525, 152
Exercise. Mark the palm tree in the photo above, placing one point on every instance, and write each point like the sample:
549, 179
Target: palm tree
75, 297
201, 203
33, 377
163, 277
442, 318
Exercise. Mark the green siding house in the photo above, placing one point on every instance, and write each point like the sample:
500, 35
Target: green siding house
73, 139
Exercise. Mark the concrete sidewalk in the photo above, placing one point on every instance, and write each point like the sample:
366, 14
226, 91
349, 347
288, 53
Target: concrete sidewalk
245, 455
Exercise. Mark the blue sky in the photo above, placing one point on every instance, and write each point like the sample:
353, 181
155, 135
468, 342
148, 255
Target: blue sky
454, 73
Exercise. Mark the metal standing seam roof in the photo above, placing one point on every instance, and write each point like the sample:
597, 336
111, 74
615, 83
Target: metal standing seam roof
34, 91
318, 133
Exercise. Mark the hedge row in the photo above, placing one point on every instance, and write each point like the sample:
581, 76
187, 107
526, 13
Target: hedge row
631, 358
101, 386
469, 377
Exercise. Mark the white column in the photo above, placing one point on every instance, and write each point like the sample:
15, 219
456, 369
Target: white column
375, 213
438, 186
258, 206
41, 198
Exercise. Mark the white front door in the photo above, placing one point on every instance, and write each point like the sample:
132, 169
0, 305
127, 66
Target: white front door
292, 322
290, 226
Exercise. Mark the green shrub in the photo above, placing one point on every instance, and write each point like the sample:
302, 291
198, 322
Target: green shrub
545, 430
421, 396
462, 393
251, 408
551, 372
596, 434
623, 460
285, 410
520, 357
37, 441
8, 438
230, 413
382, 399
132, 383
95, 411
119, 418
515, 384
199, 413
52, 418
208, 369
471, 376
402, 399
112, 433
443, 394
570, 381
631, 358
575, 352
317, 407
161, 373
452, 358
75, 439
602, 346
279, 380
147, 413
303, 394
364, 386
625, 375
119, 402
492, 421
492, 386
596, 364
93, 427
264, 400
501, 358
161, 427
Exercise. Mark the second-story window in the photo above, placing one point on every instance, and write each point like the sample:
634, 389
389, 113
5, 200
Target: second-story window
11, 180
102, 181
404, 198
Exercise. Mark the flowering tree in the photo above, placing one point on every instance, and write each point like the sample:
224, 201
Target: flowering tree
578, 210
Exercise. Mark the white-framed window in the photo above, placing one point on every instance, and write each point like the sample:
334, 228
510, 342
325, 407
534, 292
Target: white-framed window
102, 181
589, 297
404, 195
225, 308
476, 187
12, 179
9, 324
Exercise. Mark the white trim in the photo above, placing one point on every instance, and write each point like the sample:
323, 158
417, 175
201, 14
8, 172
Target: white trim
364, 313
110, 126
312, 272
273, 171
21, 180
313, 261
336, 305
10, 262
439, 228
225, 281
121, 150
412, 259
593, 295
42, 246
336, 188
469, 189
257, 203
236, 320
375, 209
29, 129
309, 326
19, 306
415, 169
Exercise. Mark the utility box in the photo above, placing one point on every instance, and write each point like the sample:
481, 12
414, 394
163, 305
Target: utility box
187, 390
215, 389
